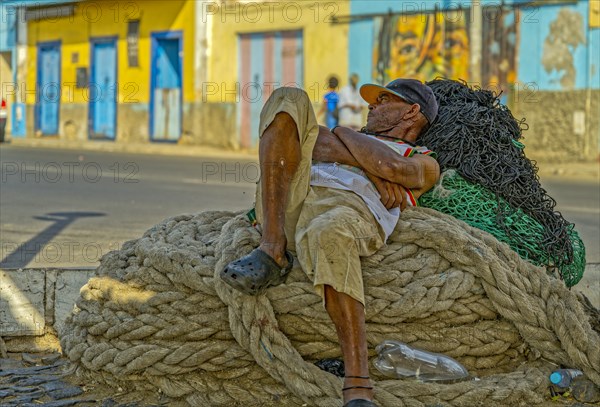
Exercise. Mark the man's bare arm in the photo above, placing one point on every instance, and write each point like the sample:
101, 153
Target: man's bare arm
419, 172
330, 149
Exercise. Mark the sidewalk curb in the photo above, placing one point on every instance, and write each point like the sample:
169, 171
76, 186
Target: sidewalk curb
158, 148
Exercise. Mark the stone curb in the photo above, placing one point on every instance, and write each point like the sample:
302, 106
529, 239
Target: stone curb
169, 149
34, 304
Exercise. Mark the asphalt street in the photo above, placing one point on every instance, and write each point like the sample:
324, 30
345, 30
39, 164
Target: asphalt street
61, 208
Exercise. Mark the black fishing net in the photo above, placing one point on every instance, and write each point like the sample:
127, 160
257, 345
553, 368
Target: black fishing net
479, 137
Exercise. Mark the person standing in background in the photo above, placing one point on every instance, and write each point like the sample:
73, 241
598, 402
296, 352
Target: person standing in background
3, 118
351, 105
330, 103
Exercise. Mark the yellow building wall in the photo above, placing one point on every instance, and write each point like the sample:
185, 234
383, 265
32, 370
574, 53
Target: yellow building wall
325, 44
594, 14
109, 18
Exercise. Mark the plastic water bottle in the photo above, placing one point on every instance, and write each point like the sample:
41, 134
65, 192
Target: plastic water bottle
398, 360
562, 377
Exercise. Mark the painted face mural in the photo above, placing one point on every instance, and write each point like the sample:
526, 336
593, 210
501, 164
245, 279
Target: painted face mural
423, 46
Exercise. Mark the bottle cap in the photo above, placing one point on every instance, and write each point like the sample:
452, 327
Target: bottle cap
555, 378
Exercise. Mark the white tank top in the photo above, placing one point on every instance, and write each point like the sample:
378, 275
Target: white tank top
346, 177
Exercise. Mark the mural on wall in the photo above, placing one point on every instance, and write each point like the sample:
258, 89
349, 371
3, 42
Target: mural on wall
425, 46
422, 46
567, 32
499, 49
594, 14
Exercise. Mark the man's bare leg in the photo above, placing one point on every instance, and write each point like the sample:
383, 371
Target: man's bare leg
279, 156
348, 316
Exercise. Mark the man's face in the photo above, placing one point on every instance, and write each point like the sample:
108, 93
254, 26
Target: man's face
386, 112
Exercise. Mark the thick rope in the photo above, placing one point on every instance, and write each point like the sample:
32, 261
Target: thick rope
156, 318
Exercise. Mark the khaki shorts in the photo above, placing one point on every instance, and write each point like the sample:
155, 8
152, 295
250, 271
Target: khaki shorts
334, 230
329, 229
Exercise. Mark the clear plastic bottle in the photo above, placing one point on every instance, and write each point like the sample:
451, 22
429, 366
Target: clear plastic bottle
399, 360
562, 378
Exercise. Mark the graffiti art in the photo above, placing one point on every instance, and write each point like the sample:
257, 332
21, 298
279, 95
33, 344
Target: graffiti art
422, 46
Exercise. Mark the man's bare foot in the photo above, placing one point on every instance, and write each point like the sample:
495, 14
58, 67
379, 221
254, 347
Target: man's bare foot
276, 251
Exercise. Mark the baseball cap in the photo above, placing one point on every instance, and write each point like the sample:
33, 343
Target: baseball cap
411, 90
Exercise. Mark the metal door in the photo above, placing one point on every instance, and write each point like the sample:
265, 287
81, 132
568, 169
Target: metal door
166, 90
267, 61
103, 89
48, 88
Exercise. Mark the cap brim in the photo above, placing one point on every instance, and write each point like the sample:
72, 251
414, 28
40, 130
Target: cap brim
370, 92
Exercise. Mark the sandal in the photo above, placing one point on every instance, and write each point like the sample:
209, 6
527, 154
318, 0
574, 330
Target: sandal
359, 402
255, 272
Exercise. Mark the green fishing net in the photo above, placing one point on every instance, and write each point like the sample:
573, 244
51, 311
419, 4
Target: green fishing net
479, 207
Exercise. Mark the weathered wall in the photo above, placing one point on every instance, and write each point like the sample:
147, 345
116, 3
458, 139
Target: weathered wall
30, 121
550, 70
558, 47
72, 121
211, 124
133, 123
562, 126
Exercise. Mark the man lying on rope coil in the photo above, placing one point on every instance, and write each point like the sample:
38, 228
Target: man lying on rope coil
333, 196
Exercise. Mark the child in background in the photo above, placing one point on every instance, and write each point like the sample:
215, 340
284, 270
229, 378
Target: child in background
330, 102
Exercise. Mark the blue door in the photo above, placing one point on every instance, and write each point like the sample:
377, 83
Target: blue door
48, 88
103, 89
166, 87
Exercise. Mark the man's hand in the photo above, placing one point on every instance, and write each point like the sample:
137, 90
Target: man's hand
329, 148
392, 195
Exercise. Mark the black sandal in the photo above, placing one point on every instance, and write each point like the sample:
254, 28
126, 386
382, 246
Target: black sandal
255, 272
359, 402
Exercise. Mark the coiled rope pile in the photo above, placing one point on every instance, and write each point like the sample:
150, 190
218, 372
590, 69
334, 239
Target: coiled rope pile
157, 318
